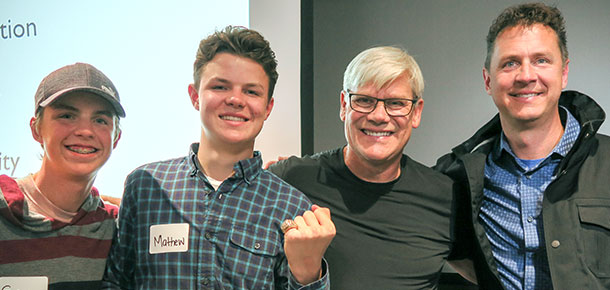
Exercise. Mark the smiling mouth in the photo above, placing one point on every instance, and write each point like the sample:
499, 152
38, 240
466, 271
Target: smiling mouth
525, 95
82, 150
233, 118
376, 134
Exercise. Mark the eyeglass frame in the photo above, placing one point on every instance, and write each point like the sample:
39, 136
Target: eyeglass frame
377, 100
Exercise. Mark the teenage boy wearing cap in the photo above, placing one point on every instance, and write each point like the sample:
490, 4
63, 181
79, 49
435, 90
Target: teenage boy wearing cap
212, 219
53, 225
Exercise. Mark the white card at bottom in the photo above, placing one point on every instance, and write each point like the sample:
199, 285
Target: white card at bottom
24, 283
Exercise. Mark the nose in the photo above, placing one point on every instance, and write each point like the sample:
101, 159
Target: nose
84, 128
526, 73
379, 114
236, 99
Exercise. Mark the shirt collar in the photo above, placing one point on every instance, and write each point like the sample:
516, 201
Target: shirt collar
246, 169
569, 137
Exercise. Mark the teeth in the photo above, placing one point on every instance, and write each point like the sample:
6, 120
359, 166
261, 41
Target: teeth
82, 150
525, 95
231, 118
376, 134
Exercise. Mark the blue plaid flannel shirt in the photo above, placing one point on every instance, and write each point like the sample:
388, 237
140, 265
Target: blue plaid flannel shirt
511, 210
234, 238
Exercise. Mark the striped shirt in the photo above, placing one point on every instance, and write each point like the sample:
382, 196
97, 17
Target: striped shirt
228, 238
512, 207
71, 255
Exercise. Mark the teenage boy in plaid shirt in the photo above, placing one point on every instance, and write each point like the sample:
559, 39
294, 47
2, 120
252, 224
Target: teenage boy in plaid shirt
213, 219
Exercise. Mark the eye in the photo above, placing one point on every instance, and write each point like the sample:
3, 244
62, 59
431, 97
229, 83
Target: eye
102, 121
510, 64
542, 61
219, 88
363, 100
67, 116
253, 92
396, 103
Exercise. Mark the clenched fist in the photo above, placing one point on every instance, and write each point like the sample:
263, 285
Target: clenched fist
305, 243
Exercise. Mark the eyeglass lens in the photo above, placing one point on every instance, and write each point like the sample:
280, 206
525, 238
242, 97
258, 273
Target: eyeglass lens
394, 107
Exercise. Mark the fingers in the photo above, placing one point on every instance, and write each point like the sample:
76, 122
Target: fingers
311, 219
323, 216
301, 224
317, 221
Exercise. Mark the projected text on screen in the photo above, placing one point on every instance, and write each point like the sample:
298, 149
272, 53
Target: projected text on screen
10, 30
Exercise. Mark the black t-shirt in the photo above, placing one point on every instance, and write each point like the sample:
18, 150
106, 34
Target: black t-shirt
394, 235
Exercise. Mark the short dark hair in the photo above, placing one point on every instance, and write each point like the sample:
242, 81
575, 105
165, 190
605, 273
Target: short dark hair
528, 15
239, 41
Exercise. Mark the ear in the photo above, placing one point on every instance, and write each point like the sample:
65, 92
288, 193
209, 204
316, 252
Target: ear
487, 80
417, 112
342, 110
269, 107
117, 140
564, 74
34, 130
194, 95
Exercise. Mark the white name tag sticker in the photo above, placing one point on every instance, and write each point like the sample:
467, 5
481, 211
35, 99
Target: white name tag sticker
24, 283
168, 238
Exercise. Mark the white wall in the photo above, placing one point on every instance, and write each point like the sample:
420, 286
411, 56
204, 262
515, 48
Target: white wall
280, 23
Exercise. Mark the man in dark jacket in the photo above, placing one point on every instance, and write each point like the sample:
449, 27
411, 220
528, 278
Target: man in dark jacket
535, 200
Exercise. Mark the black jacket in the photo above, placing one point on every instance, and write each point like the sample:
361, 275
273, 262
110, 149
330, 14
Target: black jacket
576, 205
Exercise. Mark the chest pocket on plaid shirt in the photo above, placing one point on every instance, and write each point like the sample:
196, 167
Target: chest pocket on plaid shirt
254, 253
595, 228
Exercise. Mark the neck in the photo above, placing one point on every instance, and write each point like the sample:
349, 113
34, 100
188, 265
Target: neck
378, 172
65, 192
533, 141
218, 160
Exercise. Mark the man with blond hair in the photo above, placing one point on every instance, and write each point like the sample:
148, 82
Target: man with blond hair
392, 214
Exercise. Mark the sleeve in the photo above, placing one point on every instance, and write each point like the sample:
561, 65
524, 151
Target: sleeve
322, 283
463, 246
284, 278
120, 263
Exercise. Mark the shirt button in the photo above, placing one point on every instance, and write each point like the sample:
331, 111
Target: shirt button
555, 244
530, 219
257, 246
207, 235
205, 281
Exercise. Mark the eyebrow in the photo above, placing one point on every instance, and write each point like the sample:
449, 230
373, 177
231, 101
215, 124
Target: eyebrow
225, 81
74, 109
545, 53
391, 97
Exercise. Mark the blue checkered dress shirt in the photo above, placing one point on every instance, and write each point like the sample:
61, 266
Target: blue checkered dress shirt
234, 238
511, 210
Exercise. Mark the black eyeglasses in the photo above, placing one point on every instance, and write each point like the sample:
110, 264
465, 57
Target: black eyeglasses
396, 107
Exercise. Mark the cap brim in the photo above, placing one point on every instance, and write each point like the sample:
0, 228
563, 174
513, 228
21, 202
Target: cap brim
115, 104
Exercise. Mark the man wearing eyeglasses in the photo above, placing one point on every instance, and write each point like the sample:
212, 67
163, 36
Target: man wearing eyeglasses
392, 214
